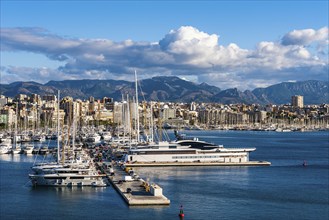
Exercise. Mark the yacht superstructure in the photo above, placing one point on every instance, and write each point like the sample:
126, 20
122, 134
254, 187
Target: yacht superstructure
66, 175
187, 151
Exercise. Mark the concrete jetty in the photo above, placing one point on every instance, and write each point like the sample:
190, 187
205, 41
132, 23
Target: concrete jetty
134, 190
158, 164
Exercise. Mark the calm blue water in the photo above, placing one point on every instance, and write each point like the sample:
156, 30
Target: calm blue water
285, 190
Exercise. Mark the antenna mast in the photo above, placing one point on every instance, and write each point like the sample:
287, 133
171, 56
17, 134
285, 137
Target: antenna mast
137, 113
58, 156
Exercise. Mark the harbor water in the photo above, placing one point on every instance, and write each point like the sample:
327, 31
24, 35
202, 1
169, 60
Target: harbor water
284, 190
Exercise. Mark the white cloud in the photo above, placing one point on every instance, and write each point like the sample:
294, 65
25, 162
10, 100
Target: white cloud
189, 40
186, 51
306, 36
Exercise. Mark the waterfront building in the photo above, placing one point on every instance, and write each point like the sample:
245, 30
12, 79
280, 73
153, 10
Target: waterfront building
108, 103
3, 101
48, 98
35, 112
7, 117
118, 114
35, 98
167, 113
21, 97
297, 101
104, 115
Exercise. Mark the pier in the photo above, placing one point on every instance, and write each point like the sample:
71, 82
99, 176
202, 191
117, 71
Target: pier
134, 190
249, 163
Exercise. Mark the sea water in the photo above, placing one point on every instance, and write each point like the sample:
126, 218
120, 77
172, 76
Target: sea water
284, 190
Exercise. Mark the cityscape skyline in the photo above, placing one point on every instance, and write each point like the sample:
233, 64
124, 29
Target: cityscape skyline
226, 44
35, 110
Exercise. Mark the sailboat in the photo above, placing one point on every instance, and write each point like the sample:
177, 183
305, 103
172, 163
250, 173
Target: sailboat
16, 149
79, 171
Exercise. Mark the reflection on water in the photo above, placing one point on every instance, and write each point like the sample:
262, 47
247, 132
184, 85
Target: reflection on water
213, 177
19, 158
169, 172
68, 191
69, 194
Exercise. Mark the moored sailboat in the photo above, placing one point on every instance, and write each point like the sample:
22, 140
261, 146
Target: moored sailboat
79, 171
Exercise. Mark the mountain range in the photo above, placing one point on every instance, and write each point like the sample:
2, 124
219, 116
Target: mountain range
175, 89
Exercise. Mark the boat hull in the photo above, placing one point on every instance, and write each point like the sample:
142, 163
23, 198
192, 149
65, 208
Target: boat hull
69, 181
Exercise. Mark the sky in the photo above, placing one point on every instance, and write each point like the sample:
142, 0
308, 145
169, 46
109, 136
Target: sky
228, 44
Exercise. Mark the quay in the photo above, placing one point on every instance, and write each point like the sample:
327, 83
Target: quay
134, 190
151, 164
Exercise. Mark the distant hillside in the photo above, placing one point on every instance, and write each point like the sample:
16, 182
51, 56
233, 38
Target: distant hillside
83, 89
174, 89
314, 92
13, 89
230, 96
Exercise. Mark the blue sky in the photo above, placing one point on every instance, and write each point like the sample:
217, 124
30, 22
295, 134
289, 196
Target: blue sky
243, 44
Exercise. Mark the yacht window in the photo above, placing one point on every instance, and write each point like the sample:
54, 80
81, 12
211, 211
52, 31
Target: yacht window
55, 178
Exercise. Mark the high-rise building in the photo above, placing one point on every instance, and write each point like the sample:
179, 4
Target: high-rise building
49, 98
297, 101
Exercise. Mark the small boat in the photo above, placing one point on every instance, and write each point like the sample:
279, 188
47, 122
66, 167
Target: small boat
35, 150
28, 149
5, 148
43, 150
6, 140
17, 150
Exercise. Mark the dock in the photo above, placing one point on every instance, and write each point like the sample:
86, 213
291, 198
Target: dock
134, 190
158, 164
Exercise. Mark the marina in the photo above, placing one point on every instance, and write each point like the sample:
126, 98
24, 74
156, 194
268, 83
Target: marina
199, 189
95, 163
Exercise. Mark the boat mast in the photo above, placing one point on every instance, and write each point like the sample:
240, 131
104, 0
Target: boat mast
128, 119
135, 121
137, 113
73, 128
123, 118
15, 138
152, 123
58, 152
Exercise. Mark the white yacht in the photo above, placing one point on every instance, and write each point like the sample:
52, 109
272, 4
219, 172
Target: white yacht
67, 176
6, 140
28, 149
17, 150
94, 138
187, 151
74, 172
5, 148
39, 138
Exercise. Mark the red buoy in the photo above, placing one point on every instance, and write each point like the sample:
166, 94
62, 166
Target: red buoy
181, 212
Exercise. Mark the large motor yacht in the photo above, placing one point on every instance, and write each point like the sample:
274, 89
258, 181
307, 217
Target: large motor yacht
187, 150
67, 176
